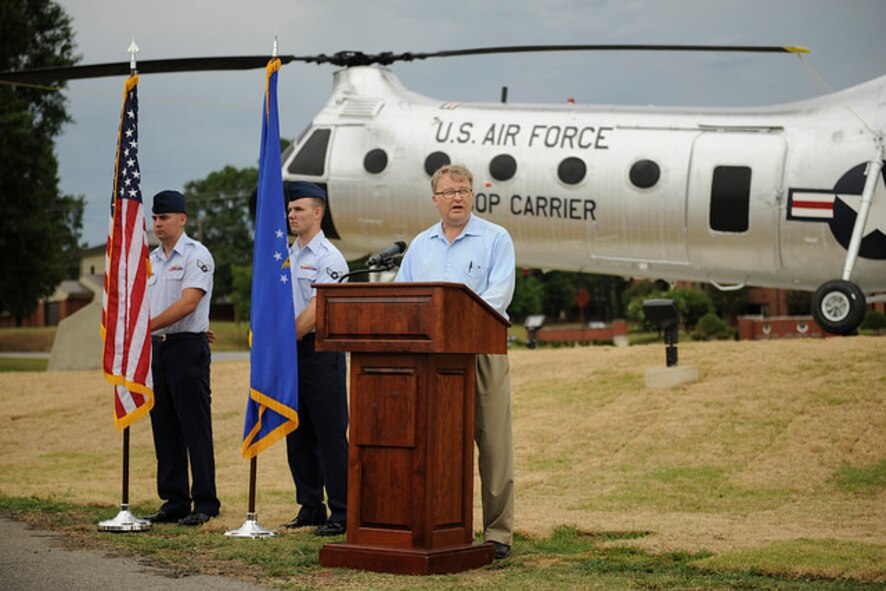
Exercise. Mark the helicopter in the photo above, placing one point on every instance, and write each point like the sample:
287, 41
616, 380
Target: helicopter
787, 196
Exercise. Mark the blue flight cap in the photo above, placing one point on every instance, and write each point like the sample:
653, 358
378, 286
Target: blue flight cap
169, 202
298, 189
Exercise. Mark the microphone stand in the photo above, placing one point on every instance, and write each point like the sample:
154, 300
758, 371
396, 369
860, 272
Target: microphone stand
386, 265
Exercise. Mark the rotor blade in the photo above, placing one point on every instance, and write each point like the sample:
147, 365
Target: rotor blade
342, 58
616, 47
195, 64
358, 58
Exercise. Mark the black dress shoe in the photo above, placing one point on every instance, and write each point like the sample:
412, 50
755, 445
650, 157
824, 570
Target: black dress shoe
304, 521
330, 529
502, 551
162, 516
195, 518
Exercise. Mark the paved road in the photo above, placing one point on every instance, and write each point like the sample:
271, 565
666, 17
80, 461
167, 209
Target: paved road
32, 560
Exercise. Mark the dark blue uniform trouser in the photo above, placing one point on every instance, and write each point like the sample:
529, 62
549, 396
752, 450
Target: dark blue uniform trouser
318, 450
182, 424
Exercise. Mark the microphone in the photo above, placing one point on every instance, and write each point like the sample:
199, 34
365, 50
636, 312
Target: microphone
385, 257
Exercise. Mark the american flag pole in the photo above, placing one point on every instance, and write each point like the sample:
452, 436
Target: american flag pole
125, 521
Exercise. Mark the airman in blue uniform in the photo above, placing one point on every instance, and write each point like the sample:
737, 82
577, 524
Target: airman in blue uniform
179, 291
318, 449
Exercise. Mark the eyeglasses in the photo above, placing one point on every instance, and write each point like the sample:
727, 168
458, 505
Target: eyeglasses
451, 193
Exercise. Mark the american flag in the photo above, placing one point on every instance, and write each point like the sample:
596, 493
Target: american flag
126, 356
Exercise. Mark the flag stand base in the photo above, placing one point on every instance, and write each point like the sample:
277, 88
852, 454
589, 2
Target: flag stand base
250, 529
124, 522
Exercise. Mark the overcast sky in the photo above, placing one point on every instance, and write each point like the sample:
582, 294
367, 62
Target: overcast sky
192, 124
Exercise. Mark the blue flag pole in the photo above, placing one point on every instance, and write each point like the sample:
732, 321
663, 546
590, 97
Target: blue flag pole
272, 405
273, 393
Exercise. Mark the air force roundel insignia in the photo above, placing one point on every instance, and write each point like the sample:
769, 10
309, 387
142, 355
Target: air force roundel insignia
839, 208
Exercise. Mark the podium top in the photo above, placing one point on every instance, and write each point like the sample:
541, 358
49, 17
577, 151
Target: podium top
407, 317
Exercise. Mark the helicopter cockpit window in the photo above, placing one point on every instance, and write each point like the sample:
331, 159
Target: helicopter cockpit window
503, 167
435, 161
287, 152
375, 161
572, 170
644, 174
311, 157
730, 199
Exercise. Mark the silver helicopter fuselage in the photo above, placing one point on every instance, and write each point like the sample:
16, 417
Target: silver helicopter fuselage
743, 196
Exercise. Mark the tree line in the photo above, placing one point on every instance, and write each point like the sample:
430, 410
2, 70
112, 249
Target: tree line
40, 227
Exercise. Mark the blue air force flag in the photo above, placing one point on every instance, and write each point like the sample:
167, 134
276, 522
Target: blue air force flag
271, 411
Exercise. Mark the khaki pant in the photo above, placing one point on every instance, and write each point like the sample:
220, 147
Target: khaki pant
492, 432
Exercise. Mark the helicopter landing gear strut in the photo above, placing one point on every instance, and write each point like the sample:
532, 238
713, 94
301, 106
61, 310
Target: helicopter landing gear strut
838, 306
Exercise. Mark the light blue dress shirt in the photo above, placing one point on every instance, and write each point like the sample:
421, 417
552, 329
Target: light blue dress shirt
318, 262
481, 257
189, 265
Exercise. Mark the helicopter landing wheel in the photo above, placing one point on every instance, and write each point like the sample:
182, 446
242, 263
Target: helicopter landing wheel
838, 306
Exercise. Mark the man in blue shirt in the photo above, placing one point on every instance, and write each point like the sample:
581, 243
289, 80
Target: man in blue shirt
318, 450
463, 248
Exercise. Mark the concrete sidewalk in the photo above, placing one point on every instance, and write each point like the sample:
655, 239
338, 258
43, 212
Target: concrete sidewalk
32, 559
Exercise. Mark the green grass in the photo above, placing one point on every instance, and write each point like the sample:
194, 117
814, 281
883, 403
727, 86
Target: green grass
694, 489
825, 559
230, 336
22, 364
869, 479
568, 559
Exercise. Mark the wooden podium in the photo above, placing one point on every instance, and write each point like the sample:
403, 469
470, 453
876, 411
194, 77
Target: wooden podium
411, 461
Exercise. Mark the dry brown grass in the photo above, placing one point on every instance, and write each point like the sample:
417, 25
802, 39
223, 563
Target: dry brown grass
745, 457
27, 339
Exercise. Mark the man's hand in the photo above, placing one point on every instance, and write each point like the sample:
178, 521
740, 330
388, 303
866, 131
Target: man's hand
210, 336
